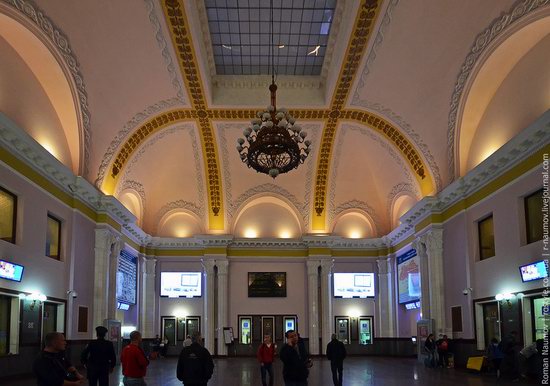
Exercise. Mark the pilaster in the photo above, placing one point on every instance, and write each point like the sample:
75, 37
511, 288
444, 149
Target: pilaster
313, 305
223, 290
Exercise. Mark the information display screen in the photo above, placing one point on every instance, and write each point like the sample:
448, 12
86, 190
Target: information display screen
408, 274
11, 271
126, 278
534, 271
180, 284
353, 285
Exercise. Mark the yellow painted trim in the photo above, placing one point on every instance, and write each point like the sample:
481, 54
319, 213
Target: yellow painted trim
215, 251
356, 253
174, 252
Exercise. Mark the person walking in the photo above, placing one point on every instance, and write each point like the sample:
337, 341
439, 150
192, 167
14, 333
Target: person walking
266, 356
51, 368
295, 371
336, 353
99, 358
134, 362
195, 364
495, 355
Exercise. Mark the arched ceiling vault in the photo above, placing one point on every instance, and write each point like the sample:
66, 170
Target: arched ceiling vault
205, 115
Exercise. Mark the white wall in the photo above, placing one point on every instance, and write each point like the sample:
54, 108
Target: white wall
295, 302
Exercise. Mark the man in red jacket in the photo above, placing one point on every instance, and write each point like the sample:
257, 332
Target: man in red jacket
266, 356
134, 362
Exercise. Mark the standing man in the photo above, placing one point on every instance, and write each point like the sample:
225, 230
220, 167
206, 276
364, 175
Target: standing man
266, 356
134, 362
295, 370
336, 353
195, 365
51, 367
99, 358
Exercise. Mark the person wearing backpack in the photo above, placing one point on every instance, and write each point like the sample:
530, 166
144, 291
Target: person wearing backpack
195, 365
443, 351
495, 355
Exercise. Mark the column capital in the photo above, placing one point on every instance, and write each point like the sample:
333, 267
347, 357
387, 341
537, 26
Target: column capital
150, 266
312, 267
326, 266
384, 266
208, 266
434, 240
223, 266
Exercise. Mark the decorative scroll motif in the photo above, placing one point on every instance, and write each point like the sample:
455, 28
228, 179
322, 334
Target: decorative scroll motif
362, 206
266, 188
398, 190
372, 53
482, 41
174, 11
178, 204
134, 185
360, 35
419, 144
163, 45
128, 127
60, 41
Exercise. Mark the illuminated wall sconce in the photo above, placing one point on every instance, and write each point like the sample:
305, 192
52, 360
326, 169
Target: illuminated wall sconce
507, 298
33, 297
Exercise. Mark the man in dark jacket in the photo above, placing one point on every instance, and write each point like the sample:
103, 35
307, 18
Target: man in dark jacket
51, 367
195, 365
99, 358
295, 370
336, 353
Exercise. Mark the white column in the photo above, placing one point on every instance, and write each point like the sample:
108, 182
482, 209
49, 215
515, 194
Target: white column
223, 291
208, 326
113, 268
148, 297
326, 299
386, 301
434, 248
420, 247
313, 306
104, 241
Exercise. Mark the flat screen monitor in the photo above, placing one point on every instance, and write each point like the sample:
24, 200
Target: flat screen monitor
533, 271
353, 285
11, 271
180, 284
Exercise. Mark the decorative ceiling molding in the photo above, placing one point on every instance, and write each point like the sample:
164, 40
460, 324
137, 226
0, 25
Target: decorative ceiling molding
358, 205
129, 127
363, 26
135, 186
345, 128
498, 28
386, 20
165, 50
197, 210
64, 54
401, 124
174, 11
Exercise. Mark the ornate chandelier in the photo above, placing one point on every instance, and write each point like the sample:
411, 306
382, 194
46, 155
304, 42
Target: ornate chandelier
274, 143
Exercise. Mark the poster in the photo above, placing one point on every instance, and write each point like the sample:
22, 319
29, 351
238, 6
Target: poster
408, 276
126, 278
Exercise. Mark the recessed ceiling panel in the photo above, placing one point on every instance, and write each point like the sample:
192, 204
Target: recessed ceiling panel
241, 40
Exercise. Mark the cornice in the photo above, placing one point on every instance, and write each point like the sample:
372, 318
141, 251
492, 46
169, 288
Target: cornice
59, 44
483, 41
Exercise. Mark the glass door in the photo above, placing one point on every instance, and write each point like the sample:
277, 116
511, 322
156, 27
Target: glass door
342, 329
541, 317
268, 327
491, 322
193, 324
169, 330
245, 330
365, 330
49, 318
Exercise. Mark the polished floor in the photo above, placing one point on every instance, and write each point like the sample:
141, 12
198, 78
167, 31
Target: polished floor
364, 371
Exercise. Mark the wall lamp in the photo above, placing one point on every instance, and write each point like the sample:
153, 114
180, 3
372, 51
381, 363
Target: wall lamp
507, 298
33, 297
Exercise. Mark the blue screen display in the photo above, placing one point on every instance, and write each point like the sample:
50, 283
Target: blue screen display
11, 271
534, 271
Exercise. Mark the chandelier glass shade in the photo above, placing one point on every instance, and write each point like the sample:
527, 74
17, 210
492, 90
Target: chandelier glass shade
273, 143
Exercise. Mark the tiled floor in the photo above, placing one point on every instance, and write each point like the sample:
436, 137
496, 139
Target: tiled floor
358, 371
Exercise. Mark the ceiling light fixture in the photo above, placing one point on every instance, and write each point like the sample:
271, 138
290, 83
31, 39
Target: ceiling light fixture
274, 143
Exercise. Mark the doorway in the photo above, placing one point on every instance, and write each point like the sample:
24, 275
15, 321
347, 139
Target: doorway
268, 323
491, 322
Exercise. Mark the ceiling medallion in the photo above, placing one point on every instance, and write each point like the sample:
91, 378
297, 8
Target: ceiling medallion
274, 143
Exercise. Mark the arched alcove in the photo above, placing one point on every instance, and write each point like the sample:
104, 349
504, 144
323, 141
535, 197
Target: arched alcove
179, 223
401, 204
132, 201
267, 217
509, 89
36, 93
354, 225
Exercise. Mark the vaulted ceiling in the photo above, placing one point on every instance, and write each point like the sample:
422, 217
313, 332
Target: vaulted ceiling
163, 122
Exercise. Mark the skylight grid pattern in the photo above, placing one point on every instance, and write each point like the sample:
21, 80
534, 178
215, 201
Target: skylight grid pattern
239, 30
